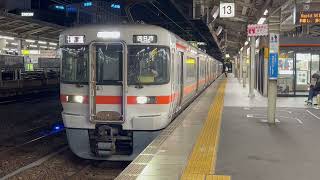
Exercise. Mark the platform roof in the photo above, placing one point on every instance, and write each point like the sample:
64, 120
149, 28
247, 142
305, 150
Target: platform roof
24, 27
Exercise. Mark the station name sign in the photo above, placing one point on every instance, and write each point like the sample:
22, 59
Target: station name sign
309, 17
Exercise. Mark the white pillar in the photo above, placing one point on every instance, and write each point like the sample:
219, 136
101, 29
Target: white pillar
274, 31
252, 64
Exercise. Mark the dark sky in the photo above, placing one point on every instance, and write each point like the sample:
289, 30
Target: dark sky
44, 4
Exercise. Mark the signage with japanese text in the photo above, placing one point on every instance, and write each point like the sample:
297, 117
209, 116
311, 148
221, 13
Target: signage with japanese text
273, 66
312, 17
257, 30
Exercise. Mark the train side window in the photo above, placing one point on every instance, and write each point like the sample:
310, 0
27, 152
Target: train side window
191, 69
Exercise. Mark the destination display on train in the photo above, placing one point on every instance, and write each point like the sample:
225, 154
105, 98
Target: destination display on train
145, 39
71, 39
309, 17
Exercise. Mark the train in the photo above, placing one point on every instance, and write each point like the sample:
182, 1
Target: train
122, 84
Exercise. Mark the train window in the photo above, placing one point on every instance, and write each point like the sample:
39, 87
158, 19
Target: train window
148, 65
75, 60
191, 69
109, 63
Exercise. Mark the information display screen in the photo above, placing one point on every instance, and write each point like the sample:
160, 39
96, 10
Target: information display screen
145, 39
312, 17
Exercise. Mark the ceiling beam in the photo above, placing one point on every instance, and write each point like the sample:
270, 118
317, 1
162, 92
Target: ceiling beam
34, 31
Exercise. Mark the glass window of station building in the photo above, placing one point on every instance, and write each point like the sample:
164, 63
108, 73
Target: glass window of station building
296, 66
299, 58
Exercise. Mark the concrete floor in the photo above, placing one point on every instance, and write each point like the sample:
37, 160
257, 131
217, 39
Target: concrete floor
250, 149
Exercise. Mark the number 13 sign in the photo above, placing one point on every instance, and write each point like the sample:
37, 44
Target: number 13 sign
227, 10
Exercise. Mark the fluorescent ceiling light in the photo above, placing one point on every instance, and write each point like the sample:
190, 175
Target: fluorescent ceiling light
30, 41
7, 37
42, 42
52, 48
262, 20
109, 34
15, 44
44, 47
31, 45
27, 14
52, 44
265, 12
246, 43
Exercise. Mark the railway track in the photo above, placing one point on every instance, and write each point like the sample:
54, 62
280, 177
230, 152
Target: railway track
26, 148
47, 156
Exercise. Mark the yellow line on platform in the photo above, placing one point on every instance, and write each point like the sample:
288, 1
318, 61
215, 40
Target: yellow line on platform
202, 161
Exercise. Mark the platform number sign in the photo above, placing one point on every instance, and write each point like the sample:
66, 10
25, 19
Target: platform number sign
227, 10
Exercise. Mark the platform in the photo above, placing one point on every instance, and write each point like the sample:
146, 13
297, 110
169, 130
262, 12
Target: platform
250, 149
246, 147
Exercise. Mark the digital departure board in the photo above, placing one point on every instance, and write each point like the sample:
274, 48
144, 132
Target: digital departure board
75, 39
309, 17
145, 39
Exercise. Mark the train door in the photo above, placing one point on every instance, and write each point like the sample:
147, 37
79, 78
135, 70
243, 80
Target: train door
198, 72
180, 77
108, 82
176, 81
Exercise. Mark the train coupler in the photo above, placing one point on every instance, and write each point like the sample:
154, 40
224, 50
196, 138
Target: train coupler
107, 140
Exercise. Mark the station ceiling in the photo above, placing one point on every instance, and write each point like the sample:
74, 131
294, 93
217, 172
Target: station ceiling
23, 27
165, 13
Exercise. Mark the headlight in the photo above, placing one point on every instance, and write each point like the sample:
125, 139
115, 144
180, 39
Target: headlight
74, 99
146, 100
78, 99
142, 100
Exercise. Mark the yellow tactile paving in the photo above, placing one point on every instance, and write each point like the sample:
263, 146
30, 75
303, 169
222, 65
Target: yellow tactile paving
216, 177
202, 160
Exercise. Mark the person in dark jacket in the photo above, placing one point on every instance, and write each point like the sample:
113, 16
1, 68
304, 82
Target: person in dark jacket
314, 88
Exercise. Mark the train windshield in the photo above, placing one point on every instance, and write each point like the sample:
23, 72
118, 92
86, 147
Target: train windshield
75, 63
148, 65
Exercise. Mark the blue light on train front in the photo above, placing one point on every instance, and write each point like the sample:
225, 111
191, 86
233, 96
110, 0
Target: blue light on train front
115, 6
57, 127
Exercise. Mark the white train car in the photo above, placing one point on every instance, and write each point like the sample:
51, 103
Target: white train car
122, 84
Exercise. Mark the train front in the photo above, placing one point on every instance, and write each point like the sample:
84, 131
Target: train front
115, 89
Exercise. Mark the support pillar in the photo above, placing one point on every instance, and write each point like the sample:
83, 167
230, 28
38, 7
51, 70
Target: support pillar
241, 67
252, 63
244, 67
274, 31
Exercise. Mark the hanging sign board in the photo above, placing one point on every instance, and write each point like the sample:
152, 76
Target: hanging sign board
227, 10
254, 30
312, 17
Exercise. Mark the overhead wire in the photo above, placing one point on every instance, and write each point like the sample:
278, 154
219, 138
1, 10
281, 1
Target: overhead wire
66, 3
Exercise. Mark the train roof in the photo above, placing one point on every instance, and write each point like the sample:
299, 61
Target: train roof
138, 28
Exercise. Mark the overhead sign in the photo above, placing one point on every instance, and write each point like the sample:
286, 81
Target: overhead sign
312, 17
273, 66
227, 10
254, 30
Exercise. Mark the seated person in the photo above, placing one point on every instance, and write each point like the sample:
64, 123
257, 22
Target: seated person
314, 87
